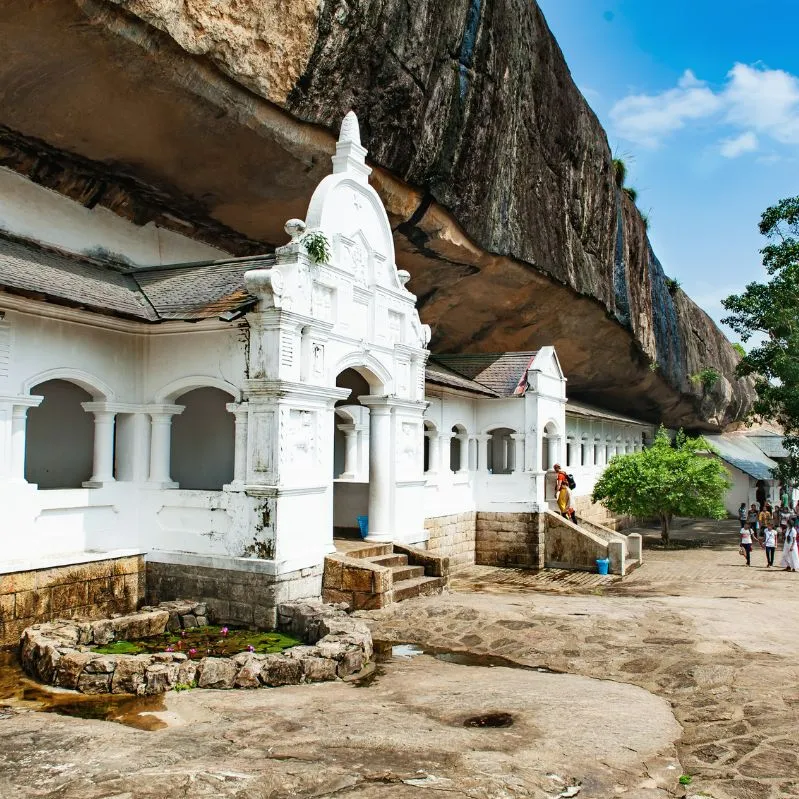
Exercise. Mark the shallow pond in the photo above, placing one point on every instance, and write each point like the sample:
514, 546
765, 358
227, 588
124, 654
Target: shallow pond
200, 642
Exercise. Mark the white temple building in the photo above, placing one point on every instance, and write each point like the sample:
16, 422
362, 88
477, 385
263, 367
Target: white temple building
161, 399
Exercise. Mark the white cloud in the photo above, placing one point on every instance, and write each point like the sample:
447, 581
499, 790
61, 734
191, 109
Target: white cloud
646, 119
753, 100
738, 145
765, 100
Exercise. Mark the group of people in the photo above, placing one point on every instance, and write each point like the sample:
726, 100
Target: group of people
767, 526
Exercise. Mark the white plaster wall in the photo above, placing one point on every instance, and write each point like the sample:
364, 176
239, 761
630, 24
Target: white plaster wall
128, 368
34, 212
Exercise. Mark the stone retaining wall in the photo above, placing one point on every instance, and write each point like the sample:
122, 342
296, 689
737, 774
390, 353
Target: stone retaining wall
59, 653
236, 590
89, 589
453, 536
513, 540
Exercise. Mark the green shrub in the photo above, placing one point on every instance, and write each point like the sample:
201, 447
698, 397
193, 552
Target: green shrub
631, 192
708, 377
739, 348
619, 171
673, 285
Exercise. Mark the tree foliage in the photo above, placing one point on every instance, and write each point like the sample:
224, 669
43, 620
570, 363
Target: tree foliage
668, 479
769, 312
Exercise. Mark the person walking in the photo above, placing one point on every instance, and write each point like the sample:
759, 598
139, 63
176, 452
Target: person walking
746, 543
752, 517
770, 544
563, 494
764, 518
790, 555
742, 514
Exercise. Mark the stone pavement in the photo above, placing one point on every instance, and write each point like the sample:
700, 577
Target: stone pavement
686, 667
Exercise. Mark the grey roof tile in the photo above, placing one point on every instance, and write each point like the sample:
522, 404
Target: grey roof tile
152, 294
504, 373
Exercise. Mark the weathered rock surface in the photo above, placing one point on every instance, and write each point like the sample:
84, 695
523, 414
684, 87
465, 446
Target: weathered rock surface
495, 172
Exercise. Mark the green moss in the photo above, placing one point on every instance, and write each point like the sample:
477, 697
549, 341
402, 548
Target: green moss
199, 642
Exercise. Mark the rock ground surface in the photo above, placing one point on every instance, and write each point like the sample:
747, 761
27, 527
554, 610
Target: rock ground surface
686, 666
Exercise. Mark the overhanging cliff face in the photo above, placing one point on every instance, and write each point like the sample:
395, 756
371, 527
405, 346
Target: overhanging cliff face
495, 172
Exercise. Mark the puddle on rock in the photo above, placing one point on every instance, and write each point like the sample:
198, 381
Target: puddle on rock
388, 650
18, 691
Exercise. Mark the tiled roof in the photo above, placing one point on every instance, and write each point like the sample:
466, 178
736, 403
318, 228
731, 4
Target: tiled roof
197, 291
771, 445
440, 375
30, 270
153, 294
504, 373
741, 452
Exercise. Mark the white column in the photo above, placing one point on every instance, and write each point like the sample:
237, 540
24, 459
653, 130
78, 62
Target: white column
464, 445
380, 460
161, 444
482, 452
103, 469
434, 451
240, 413
362, 433
350, 451
518, 445
552, 450
19, 413
444, 445
140, 453
472, 453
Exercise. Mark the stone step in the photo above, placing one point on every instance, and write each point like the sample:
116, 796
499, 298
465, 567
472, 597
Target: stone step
418, 586
400, 573
389, 560
369, 551
630, 564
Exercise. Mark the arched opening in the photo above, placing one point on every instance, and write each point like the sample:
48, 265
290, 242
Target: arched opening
430, 432
549, 448
59, 438
501, 451
351, 422
458, 458
203, 440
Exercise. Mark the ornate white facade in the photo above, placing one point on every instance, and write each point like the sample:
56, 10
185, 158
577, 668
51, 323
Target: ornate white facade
236, 410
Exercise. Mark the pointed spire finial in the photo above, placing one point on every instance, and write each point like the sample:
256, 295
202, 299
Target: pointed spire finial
350, 156
350, 130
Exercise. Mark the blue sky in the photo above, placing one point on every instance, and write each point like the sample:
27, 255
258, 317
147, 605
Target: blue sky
701, 99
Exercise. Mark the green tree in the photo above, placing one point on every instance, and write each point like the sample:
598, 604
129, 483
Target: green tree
769, 313
668, 479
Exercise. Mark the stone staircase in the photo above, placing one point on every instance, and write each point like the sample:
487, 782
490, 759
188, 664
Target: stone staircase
368, 576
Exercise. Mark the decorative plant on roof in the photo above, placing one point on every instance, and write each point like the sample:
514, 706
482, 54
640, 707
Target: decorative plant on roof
317, 245
668, 479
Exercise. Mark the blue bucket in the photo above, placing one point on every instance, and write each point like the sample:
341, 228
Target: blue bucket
363, 524
602, 565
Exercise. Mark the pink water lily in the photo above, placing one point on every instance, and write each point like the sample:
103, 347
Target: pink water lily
250, 648
224, 631
192, 651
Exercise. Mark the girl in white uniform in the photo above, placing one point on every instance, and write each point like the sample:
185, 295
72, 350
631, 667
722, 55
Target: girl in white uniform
790, 554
